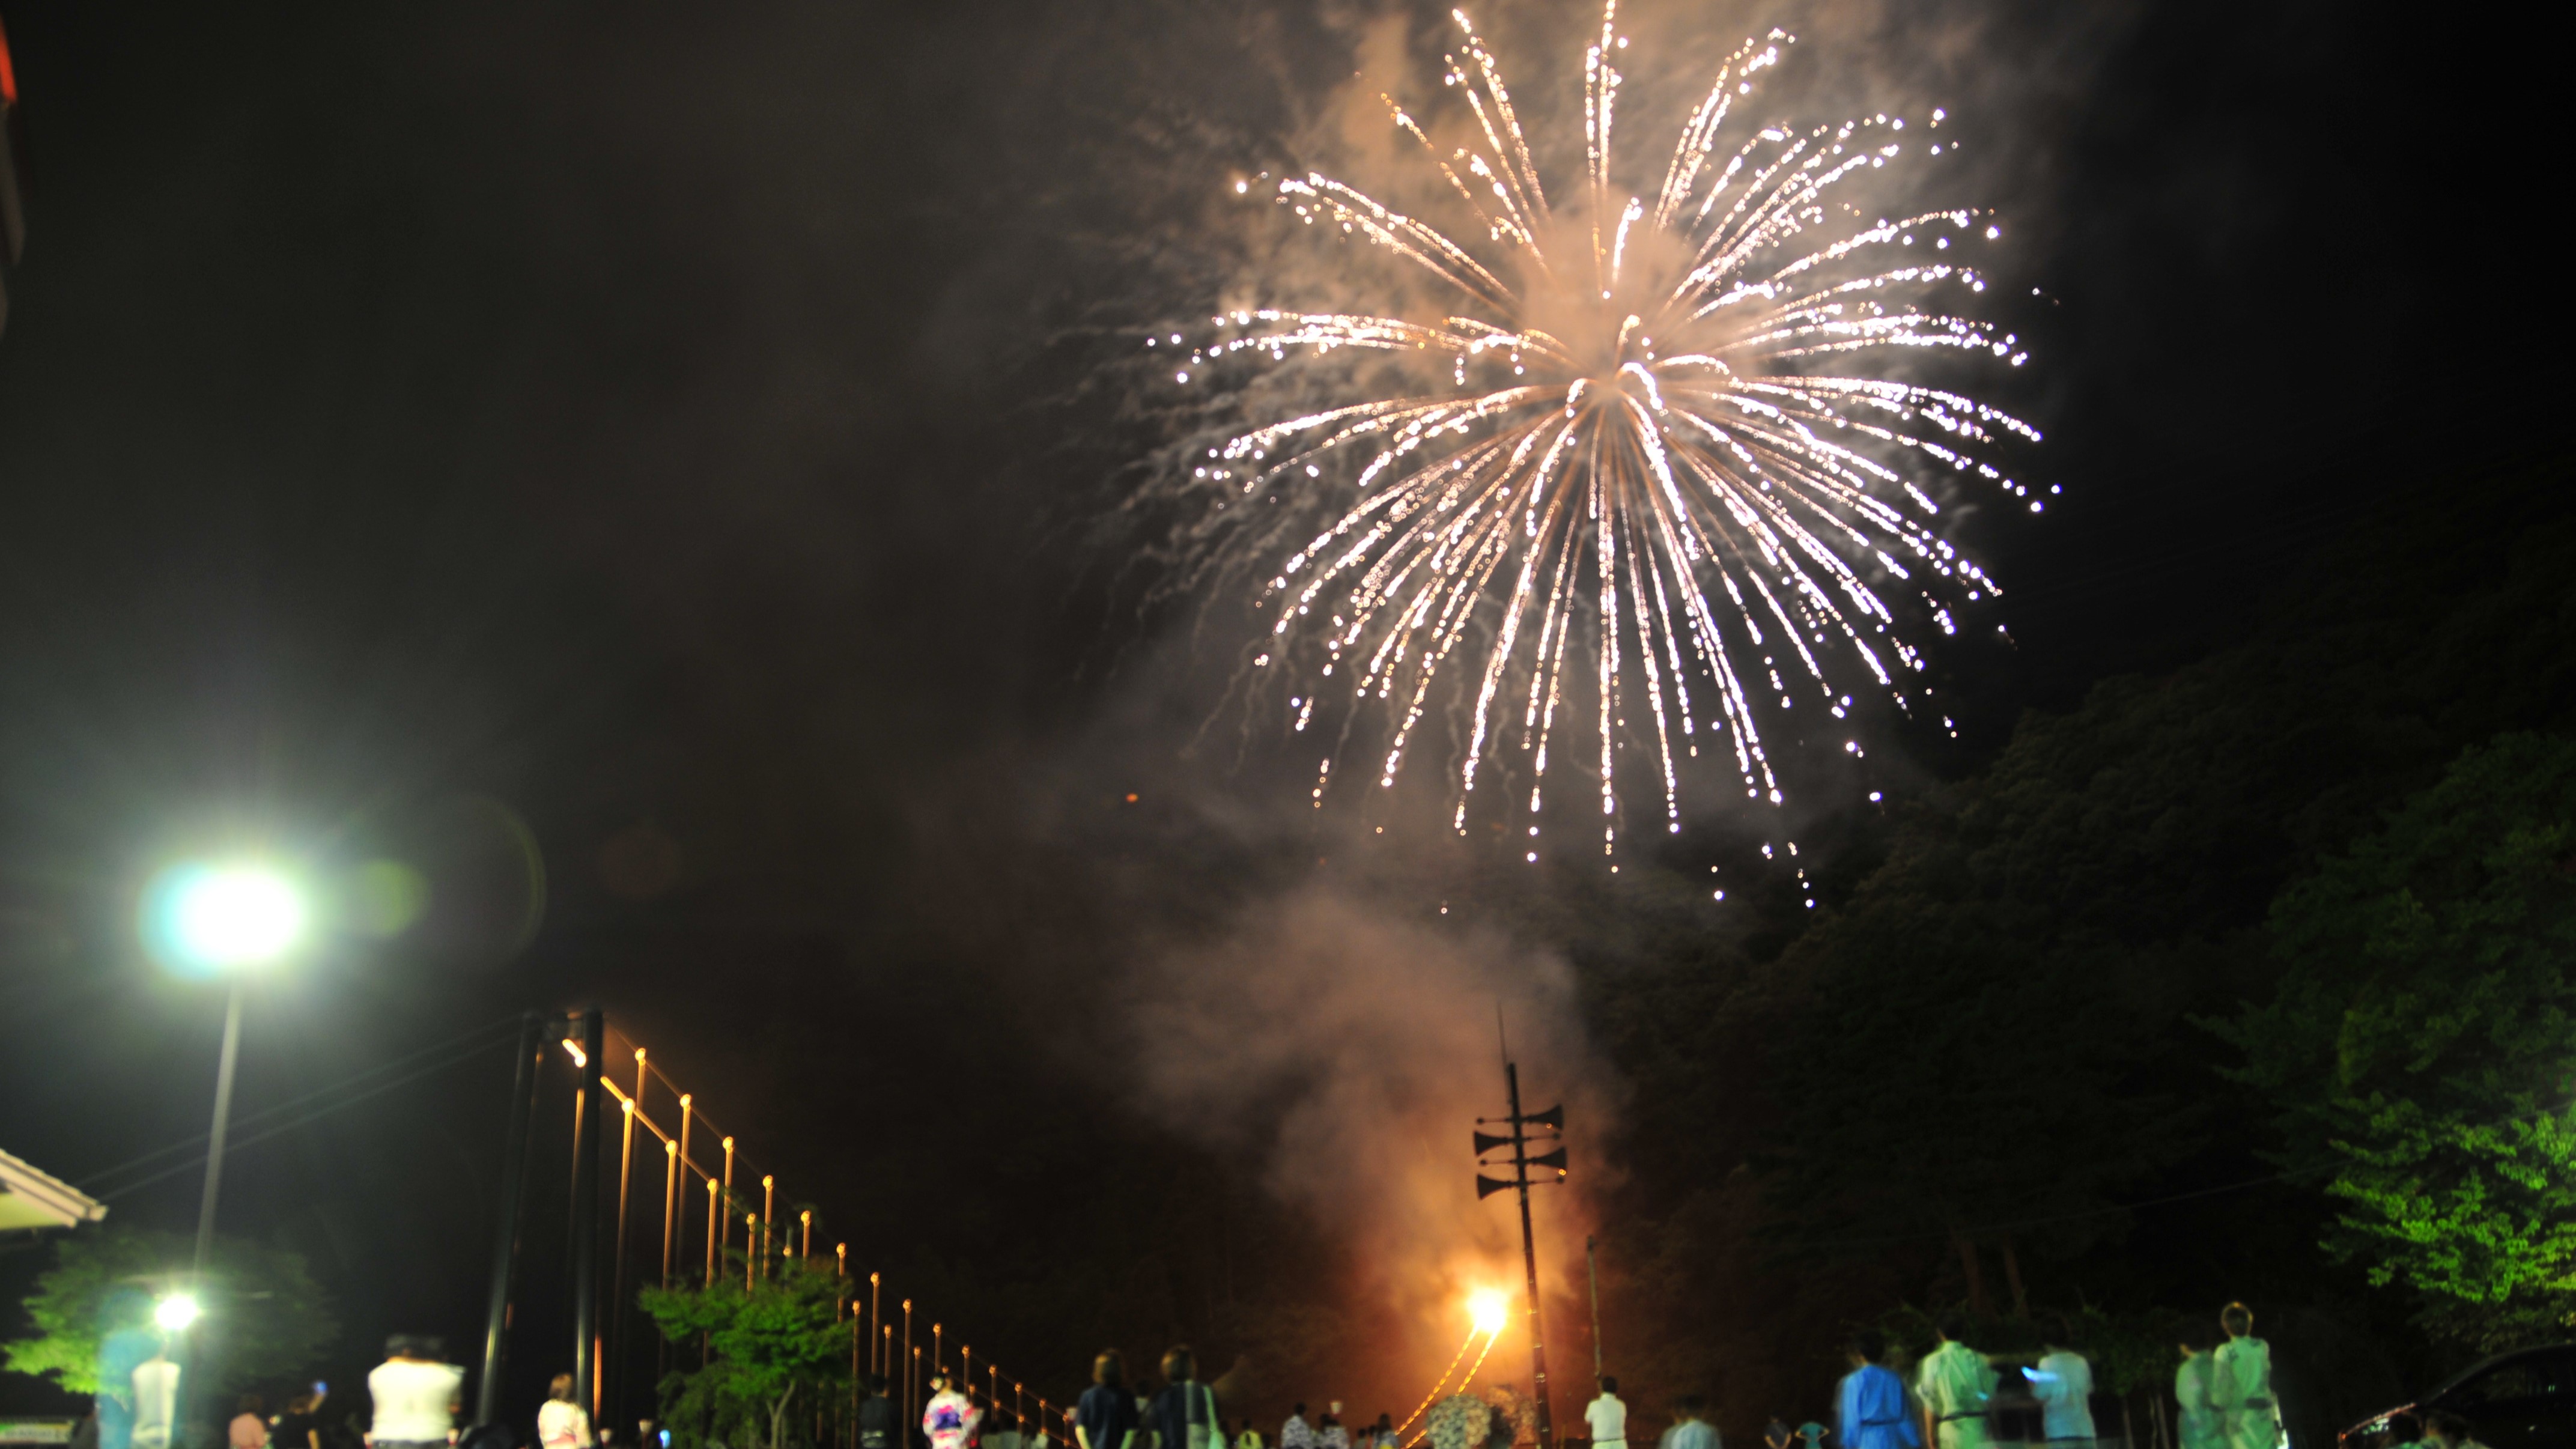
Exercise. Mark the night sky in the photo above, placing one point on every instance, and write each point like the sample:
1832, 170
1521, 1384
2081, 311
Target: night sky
690, 439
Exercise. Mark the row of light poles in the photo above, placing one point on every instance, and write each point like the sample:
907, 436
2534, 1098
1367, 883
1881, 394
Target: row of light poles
232, 920
877, 1331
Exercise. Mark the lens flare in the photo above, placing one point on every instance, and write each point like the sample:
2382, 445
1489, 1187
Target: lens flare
1488, 1310
1669, 451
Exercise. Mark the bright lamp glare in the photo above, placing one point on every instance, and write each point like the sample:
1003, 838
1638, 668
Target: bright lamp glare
1487, 1310
234, 916
175, 1312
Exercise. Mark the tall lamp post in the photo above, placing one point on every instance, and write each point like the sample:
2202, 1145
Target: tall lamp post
207, 920
228, 921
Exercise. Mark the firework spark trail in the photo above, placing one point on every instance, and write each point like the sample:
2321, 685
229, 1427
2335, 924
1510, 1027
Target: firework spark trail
1472, 1370
1442, 1382
1698, 454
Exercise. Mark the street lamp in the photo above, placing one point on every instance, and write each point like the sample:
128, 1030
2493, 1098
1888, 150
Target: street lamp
175, 1312
222, 920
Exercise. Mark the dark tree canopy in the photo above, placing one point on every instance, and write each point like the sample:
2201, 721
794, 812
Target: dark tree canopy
2419, 1048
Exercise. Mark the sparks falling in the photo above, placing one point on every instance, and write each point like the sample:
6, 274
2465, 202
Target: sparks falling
1669, 453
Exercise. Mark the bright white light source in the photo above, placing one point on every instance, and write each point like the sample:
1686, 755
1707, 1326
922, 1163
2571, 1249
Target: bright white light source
1488, 1310
175, 1312
217, 917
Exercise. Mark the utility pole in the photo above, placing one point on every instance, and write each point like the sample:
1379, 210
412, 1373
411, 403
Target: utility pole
586, 1150
505, 1228
1553, 1119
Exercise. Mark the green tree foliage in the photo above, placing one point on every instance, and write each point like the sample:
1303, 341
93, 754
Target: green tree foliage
780, 1338
2421, 1045
264, 1316
1988, 1025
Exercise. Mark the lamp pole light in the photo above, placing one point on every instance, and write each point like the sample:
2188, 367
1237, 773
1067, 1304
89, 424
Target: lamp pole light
175, 1313
687, 1110
726, 1241
222, 920
715, 1224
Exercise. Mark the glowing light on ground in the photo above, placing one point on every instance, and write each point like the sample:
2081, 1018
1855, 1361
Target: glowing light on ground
1669, 451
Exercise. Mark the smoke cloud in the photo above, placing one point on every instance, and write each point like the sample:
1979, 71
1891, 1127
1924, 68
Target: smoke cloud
1348, 1050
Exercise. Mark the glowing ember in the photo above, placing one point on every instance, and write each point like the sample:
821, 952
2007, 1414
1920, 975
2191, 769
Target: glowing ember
1667, 446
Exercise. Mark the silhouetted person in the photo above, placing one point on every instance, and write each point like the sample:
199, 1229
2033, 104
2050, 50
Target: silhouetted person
1106, 1416
295, 1429
877, 1415
2198, 1426
1185, 1411
1297, 1433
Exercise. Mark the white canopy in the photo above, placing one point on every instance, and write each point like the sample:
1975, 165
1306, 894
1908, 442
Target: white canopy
33, 1199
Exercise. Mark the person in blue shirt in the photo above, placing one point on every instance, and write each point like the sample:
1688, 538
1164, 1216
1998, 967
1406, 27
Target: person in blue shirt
1870, 1407
1186, 1405
1106, 1418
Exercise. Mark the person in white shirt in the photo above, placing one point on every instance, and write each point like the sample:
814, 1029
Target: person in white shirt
1608, 1416
2063, 1384
416, 1396
156, 1400
561, 1423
